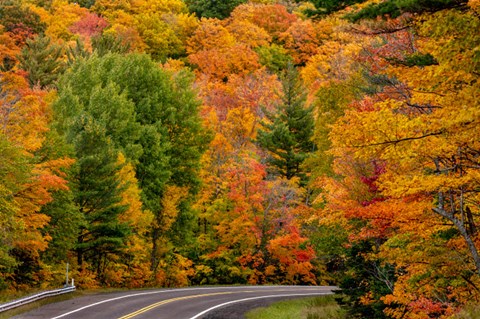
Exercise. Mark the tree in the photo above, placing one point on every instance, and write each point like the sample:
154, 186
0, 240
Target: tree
287, 135
395, 8
42, 61
13, 173
98, 197
419, 121
8, 51
20, 21
213, 9
326, 7
150, 115
90, 25
274, 18
25, 116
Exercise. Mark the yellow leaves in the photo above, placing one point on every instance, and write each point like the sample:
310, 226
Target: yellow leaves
240, 127
137, 218
475, 5
332, 62
161, 6
248, 33
171, 198
64, 16
26, 112
210, 34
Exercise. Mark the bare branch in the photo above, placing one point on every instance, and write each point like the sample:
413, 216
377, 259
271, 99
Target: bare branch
400, 140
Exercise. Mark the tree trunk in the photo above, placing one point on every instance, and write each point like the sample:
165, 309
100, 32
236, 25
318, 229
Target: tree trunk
464, 232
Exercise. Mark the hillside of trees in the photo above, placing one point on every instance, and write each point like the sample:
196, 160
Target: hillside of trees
167, 143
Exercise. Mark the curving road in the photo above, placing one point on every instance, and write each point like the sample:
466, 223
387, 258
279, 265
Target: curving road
184, 303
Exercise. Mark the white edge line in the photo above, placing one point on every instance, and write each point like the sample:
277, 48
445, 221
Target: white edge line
162, 291
253, 298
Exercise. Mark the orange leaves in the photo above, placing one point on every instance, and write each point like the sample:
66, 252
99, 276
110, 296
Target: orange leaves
294, 262
25, 113
248, 33
220, 63
302, 40
274, 19
8, 49
416, 117
209, 35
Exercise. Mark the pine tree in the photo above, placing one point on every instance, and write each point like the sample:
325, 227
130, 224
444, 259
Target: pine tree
287, 133
98, 197
42, 60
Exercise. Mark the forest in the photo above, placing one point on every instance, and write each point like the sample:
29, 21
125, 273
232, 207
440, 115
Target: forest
168, 143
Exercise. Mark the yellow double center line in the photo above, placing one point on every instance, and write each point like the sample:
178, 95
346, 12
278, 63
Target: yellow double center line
158, 304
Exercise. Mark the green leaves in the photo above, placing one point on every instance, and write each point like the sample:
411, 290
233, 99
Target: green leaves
220, 9
394, 8
287, 135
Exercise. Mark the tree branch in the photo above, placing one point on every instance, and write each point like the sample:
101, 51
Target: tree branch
400, 140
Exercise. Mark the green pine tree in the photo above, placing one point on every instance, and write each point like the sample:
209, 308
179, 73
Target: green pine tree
287, 133
98, 196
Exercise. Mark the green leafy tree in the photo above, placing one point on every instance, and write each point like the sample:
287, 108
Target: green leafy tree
274, 57
220, 9
287, 133
149, 114
108, 43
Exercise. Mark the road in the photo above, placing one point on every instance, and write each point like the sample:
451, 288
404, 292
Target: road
183, 303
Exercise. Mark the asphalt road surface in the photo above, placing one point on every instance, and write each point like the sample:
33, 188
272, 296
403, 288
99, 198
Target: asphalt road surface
183, 303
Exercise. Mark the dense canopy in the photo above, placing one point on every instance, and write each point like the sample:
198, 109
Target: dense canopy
170, 143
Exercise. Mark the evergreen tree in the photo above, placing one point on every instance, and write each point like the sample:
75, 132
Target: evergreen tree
288, 132
98, 196
65, 217
219, 9
42, 60
365, 276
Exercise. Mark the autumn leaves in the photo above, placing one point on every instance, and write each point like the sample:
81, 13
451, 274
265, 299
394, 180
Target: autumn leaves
150, 146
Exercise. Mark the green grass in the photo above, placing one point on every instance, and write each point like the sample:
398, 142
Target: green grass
305, 308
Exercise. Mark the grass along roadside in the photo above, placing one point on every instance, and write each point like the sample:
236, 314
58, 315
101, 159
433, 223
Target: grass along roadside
323, 307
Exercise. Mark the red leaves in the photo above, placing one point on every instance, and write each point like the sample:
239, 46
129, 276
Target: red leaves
90, 25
